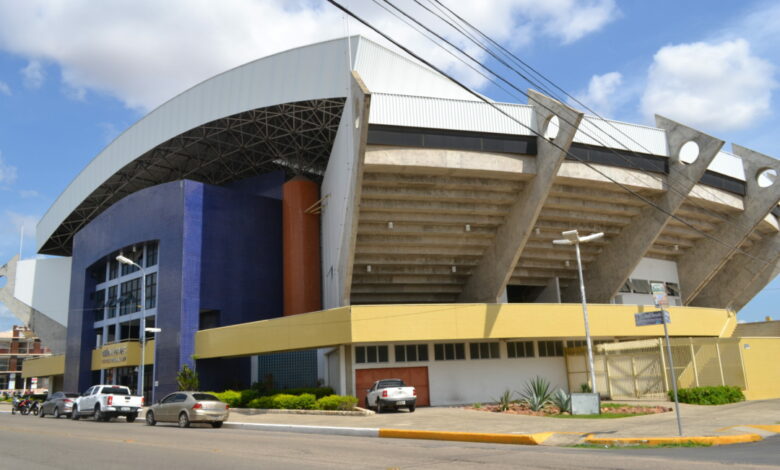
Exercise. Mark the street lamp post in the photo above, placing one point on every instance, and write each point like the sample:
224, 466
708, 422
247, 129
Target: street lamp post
143, 353
124, 260
571, 237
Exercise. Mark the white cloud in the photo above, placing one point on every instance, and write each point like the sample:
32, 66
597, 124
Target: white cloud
603, 93
5, 89
715, 86
7, 319
18, 222
144, 51
28, 193
33, 74
7, 172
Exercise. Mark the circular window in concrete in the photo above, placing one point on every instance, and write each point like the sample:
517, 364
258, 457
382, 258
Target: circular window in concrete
689, 152
553, 126
766, 177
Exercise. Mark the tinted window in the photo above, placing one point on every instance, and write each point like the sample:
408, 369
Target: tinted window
204, 397
116, 391
169, 398
180, 397
391, 383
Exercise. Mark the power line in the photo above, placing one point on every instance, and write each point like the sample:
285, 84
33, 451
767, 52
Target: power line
534, 132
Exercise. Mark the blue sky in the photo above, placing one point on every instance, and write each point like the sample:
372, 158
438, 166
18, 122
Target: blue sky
75, 74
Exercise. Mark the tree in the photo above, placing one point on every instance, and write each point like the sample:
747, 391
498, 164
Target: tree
187, 378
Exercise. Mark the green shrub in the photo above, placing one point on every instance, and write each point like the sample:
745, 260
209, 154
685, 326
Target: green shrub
187, 379
231, 397
337, 402
261, 402
562, 400
719, 395
537, 393
505, 400
318, 392
247, 396
284, 401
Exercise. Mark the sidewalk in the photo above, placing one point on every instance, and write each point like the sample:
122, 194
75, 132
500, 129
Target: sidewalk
697, 421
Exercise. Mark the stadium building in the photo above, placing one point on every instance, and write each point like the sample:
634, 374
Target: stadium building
338, 213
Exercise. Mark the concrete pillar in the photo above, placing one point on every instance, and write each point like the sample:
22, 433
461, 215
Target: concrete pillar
51, 332
490, 277
356, 110
623, 252
734, 281
698, 265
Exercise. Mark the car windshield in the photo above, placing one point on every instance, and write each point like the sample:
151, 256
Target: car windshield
204, 397
116, 391
391, 383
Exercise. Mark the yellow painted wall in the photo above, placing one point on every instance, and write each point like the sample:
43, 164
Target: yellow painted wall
304, 331
761, 358
127, 353
443, 322
44, 366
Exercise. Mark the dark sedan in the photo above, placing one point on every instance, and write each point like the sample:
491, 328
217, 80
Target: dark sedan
58, 404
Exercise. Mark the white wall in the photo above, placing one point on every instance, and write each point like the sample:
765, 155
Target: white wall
470, 381
44, 284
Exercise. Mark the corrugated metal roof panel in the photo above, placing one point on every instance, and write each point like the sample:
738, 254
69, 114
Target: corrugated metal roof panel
437, 113
622, 136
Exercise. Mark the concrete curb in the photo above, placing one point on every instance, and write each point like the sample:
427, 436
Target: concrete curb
331, 430
655, 441
522, 439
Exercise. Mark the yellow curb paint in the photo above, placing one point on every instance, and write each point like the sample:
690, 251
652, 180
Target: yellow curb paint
523, 439
654, 441
766, 427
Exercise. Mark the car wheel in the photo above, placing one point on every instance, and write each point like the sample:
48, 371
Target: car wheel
99, 414
150, 419
378, 406
40, 413
56, 413
411, 408
184, 421
74, 415
131, 418
368, 407
216, 424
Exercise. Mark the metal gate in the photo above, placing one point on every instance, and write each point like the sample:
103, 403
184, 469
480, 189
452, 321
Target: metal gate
640, 369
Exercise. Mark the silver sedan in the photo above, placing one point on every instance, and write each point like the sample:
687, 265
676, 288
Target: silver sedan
188, 407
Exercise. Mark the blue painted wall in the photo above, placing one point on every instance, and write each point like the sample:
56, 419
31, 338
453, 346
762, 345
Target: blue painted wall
219, 249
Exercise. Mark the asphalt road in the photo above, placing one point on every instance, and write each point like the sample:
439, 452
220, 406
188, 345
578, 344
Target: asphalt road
33, 443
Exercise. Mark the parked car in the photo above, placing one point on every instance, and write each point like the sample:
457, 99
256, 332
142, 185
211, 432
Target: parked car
391, 393
58, 404
104, 402
188, 407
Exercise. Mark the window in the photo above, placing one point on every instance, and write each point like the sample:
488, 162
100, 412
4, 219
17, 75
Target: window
129, 295
484, 350
98, 272
151, 290
411, 352
111, 303
369, 354
520, 349
550, 348
576, 343
98, 302
625, 288
640, 286
113, 268
151, 254
449, 351
208, 319
672, 289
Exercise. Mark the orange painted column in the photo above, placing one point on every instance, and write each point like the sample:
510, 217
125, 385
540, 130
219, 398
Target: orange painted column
301, 247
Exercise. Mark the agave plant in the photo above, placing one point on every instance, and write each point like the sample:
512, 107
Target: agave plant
537, 393
505, 400
562, 400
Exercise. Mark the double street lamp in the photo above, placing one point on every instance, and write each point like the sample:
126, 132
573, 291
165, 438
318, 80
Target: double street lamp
124, 260
571, 237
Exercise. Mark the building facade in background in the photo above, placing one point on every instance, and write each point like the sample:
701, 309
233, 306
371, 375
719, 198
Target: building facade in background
16, 346
339, 213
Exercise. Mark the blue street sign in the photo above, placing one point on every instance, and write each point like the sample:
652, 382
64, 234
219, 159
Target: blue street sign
655, 317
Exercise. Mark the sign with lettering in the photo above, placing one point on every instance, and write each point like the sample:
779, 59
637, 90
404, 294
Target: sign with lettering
659, 294
656, 317
113, 354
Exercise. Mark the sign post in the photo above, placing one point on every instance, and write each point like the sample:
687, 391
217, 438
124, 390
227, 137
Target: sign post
661, 317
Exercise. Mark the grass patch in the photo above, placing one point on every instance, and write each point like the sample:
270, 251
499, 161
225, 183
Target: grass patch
643, 446
615, 405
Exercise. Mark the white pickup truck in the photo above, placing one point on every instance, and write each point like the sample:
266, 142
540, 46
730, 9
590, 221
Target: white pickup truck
104, 402
391, 393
